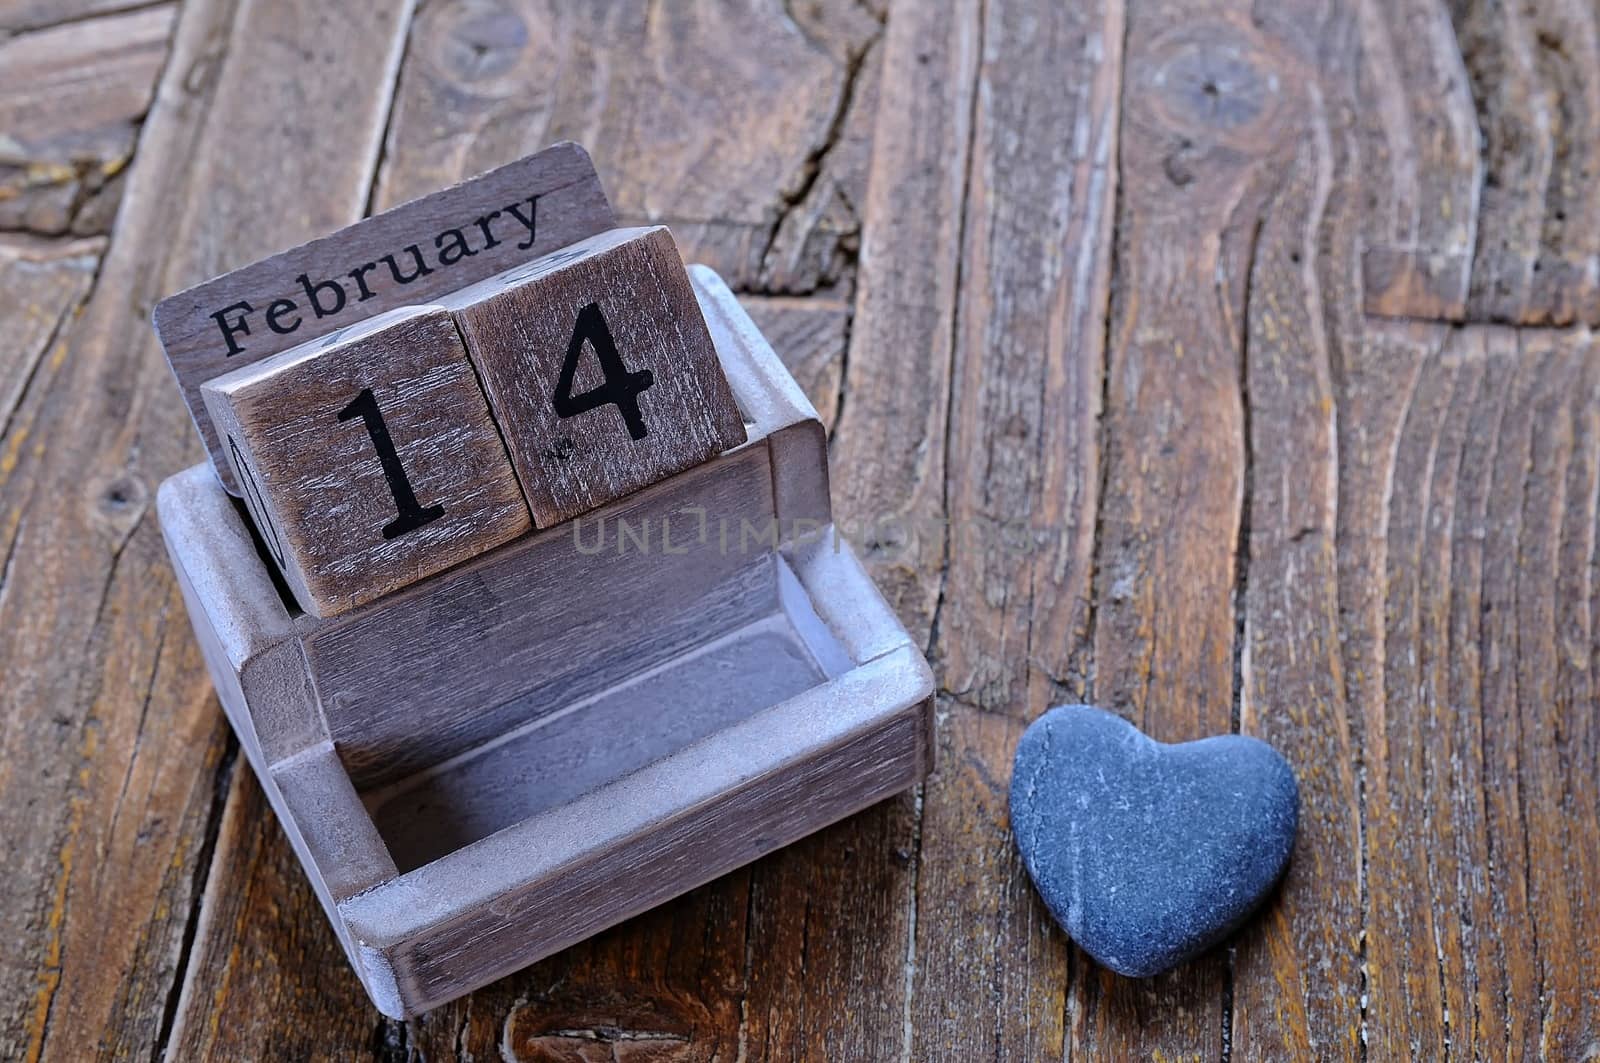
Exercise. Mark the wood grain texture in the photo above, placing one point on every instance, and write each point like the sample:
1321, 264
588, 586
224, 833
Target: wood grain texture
1565, 282
112, 743
1489, 444
1505, 234
284, 950
1497, 44
71, 100
1296, 978
42, 285
355, 500
599, 370
404, 256
1422, 172
23, 15
1022, 487
833, 941
1447, 672
890, 437
743, 127
1199, 121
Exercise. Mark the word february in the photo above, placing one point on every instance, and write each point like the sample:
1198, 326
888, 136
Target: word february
327, 297
409, 255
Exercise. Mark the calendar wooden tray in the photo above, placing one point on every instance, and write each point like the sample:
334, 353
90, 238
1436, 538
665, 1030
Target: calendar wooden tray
514, 754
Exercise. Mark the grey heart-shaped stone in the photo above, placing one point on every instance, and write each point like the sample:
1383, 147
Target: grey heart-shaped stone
1148, 854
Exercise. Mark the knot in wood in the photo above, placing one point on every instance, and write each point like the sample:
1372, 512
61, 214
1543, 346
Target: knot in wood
476, 43
120, 502
1215, 85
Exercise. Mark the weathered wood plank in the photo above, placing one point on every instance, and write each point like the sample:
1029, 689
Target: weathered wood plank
1397, 783
825, 950
834, 962
1296, 978
22, 15
1555, 542
1565, 286
108, 715
889, 442
1467, 528
1516, 920
1379, 380
1023, 486
1452, 779
1513, 236
1421, 171
1497, 45
753, 183
1024, 462
1575, 730
1569, 729
1476, 969
71, 99
42, 285
816, 239
1213, 112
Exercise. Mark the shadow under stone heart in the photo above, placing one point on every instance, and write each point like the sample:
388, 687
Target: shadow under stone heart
1148, 854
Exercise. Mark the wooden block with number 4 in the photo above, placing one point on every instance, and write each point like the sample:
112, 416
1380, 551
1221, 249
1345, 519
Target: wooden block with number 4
599, 369
368, 458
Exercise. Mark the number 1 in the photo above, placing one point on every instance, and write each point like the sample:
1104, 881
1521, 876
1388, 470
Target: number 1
412, 515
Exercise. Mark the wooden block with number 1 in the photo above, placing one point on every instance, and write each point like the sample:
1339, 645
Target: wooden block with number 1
599, 369
368, 458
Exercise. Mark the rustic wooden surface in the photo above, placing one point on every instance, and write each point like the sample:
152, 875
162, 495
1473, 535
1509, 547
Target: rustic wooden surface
1128, 321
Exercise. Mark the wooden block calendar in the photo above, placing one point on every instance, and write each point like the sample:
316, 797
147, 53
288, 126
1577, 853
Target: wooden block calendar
636, 661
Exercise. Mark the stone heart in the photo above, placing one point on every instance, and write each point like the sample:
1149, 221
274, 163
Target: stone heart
1148, 854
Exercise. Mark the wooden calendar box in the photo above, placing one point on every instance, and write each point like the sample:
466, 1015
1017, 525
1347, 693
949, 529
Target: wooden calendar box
513, 754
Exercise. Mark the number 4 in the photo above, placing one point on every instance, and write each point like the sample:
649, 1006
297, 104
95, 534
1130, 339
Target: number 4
621, 387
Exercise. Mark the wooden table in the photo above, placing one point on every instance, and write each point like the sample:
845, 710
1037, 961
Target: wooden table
1189, 359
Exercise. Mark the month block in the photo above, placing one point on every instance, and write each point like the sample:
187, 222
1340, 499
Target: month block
599, 370
368, 458
409, 255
